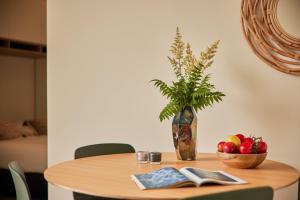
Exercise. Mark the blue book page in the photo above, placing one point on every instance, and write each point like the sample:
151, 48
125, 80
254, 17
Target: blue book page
162, 178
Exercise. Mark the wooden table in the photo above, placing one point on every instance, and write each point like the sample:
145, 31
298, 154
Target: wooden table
109, 176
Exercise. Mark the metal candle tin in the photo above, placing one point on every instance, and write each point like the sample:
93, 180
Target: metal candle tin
155, 157
142, 156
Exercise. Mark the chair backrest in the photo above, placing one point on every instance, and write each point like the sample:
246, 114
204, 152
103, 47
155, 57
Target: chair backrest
299, 189
259, 193
96, 150
103, 149
22, 190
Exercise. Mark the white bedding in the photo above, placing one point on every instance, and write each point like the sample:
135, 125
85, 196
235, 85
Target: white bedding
30, 152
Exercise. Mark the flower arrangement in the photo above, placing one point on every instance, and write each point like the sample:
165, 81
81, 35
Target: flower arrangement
191, 87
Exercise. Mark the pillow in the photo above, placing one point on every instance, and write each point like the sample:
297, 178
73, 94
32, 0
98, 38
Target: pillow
40, 125
15, 129
10, 130
28, 130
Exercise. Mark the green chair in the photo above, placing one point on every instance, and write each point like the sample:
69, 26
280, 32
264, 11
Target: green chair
259, 193
22, 190
299, 188
96, 150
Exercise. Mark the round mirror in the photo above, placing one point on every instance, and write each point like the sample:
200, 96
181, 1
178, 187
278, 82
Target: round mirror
288, 14
272, 29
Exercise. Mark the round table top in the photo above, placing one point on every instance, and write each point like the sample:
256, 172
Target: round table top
109, 176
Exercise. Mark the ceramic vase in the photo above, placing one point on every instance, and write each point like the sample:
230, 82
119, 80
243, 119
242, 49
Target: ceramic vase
184, 129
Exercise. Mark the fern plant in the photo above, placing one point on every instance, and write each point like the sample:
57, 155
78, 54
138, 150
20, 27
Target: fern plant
191, 87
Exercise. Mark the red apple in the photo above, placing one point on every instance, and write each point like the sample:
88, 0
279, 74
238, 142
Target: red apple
262, 147
229, 147
246, 148
220, 146
249, 139
241, 136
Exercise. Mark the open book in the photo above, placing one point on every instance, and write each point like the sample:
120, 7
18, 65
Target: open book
169, 177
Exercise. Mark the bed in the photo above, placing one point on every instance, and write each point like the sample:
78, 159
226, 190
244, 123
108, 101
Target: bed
31, 152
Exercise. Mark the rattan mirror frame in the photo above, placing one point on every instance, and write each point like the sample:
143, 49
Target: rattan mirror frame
269, 41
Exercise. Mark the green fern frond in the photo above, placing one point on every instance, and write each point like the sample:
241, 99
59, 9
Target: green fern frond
163, 87
205, 98
195, 76
169, 110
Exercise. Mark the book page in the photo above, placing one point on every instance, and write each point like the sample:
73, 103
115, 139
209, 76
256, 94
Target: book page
162, 178
201, 176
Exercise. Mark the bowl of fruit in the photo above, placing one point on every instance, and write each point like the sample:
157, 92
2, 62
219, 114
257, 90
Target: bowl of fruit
242, 152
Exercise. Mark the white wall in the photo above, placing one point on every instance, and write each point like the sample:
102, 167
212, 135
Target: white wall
102, 54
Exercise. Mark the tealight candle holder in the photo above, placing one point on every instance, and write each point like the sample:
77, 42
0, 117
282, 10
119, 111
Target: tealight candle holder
142, 156
155, 158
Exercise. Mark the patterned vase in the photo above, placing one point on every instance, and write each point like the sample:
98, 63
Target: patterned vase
184, 128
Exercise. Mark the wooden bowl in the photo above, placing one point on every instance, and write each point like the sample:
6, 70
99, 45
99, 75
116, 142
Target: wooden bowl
242, 161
